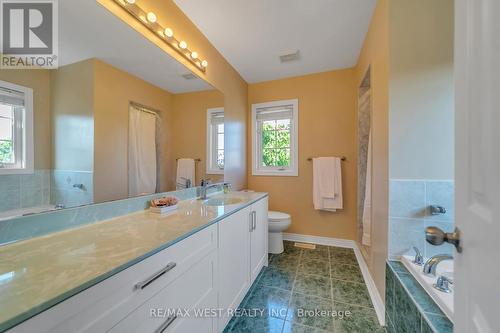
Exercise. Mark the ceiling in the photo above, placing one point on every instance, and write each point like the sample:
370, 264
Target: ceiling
88, 30
252, 35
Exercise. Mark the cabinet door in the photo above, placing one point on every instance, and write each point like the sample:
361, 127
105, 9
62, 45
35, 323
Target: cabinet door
179, 307
258, 238
234, 273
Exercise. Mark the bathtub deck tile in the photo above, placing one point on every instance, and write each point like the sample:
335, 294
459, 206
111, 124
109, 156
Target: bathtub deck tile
407, 317
441, 324
389, 293
397, 266
409, 307
420, 295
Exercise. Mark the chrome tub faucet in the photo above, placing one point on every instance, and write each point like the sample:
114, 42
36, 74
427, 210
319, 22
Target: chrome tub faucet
431, 264
419, 258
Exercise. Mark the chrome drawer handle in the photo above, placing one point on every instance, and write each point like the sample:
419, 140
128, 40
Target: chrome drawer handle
148, 281
166, 324
254, 220
250, 227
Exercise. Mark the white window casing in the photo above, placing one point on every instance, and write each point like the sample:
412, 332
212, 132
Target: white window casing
215, 118
278, 110
20, 99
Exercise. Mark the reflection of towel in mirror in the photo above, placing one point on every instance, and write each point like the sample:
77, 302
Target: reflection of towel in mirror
185, 172
327, 183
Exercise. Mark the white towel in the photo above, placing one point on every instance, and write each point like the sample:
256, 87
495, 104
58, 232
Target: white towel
327, 183
185, 171
367, 205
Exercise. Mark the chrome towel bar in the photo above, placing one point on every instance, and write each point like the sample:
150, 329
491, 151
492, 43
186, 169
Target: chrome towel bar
342, 158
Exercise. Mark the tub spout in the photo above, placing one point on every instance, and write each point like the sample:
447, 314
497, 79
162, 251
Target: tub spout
431, 264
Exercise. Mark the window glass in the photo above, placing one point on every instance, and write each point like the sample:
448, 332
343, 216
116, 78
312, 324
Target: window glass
275, 137
6, 134
215, 141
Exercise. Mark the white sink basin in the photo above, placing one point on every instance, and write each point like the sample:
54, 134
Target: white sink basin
222, 201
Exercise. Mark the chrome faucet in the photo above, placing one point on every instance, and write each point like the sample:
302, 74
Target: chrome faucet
431, 264
206, 185
419, 258
443, 284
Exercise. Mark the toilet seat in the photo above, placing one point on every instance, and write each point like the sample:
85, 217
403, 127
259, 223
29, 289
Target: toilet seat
277, 223
277, 216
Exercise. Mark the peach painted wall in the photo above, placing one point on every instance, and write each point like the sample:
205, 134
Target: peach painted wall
220, 74
72, 116
422, 90
326, 128
375, 55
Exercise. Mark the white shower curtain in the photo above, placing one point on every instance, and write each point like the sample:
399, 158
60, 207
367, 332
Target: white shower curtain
141, 152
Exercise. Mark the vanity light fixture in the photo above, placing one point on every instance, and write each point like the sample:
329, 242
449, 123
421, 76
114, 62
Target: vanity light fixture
151, 17
149, 20
169, 33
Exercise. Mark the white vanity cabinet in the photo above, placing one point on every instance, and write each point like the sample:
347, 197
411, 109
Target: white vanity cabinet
242, 254
209, 270
234, 261
258, 238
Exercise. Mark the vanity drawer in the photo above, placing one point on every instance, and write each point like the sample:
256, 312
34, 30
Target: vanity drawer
194, 290
100, 307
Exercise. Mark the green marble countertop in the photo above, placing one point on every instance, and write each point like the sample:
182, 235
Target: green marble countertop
38, 273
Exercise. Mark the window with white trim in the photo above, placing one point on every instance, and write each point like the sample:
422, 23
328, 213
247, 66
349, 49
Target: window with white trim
16, 129
275, 138
215, 141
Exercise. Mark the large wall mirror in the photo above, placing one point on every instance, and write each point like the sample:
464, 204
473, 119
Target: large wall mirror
118, 118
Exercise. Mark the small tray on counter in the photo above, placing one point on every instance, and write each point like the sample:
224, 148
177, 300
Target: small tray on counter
163, 209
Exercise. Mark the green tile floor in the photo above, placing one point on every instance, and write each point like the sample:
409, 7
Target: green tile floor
300, 281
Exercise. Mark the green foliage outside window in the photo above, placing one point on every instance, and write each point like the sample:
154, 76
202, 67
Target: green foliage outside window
276, 143
6, 152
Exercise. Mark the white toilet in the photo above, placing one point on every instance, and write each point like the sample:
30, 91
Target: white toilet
278, 222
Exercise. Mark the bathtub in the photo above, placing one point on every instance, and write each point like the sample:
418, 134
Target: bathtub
442, 299
9, 214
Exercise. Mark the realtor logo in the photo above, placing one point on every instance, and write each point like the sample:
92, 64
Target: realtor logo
29, 34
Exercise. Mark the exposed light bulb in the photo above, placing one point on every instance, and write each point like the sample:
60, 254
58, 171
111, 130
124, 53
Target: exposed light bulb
194, 55
204, 63
169, 32
130, 2
183, 45
151, 17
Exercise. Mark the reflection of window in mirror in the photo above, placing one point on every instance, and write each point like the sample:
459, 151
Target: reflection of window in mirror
215, 141
16, 129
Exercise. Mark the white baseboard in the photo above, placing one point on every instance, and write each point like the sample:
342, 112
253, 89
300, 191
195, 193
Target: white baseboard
319, 240
377, 301
378, 304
